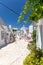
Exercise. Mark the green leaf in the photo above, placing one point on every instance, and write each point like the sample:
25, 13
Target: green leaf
25, 11
36, 12
21, 17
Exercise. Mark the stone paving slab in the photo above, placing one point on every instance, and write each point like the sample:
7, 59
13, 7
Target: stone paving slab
13, 54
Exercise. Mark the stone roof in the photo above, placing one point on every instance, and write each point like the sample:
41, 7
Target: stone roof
1, 22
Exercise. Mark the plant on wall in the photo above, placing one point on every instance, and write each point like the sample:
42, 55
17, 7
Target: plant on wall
34, 36
32, 45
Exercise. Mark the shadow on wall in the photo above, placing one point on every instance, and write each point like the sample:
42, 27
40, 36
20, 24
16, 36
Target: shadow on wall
12, 39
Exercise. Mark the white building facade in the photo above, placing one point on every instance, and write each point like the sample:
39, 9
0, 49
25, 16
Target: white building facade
39, 34
5, 33
31, 28
2, 41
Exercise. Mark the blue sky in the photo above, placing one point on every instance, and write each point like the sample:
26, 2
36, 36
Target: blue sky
8, 16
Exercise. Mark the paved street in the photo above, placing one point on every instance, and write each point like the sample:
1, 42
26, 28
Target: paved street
14, 53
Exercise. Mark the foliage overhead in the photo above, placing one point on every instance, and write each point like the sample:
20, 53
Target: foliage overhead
36, 7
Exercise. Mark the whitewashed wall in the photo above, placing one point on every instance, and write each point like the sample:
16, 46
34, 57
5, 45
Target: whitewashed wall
39, 34
31, 28
2, 42
38, 37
